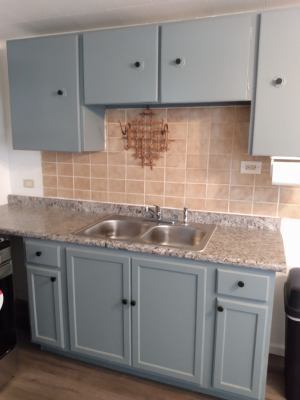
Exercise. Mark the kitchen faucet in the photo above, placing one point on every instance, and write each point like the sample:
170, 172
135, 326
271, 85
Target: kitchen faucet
155, 213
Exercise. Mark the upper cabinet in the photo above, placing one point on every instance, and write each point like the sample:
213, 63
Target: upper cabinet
208, 60
47, 109
121, 65
276, 116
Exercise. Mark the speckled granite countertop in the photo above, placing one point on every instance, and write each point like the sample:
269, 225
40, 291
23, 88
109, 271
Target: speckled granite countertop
256, 247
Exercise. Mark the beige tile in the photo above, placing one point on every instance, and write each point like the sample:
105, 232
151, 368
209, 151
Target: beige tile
177, 131
197, 114
99, 171
114, 131
244, 193
195, 203
266, 194
135, 199
50, 192
82, 194
216, 205
156, 188
115, 115
132, 160
135, 187
50, 181
64, 157
65, 182
218, 192
116, 172
174, 202
99, 196
155, 174
116, 158
197, 144
48, 156
240, 207
173, 160
116, 185
289, 195
99, 158
196, 190
135, 172
241, 179
117, 197
133, 113
243, 113
65, 193
222, 131
65, 169
221, 146
175, 174
99, 185
180, 114
115, 144
264, 179
194, 175
177, 146
82, 170
289, 211
223, 114
174, 189
201, 129
49, 168
151, 200
219, 162
265, 209
197, 161
82, 183
81, 158
241, 138
218, 176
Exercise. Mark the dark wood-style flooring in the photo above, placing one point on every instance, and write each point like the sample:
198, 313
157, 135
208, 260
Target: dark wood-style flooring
44, 376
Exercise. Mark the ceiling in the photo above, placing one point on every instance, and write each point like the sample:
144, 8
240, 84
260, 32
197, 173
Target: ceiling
20, 18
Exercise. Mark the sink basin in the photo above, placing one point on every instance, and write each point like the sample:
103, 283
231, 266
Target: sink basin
120, 227
182, 236
142, 230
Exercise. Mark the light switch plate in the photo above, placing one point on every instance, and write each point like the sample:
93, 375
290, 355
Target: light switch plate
28, 183
251, 167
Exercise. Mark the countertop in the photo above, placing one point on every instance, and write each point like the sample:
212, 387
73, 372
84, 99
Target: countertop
241, 246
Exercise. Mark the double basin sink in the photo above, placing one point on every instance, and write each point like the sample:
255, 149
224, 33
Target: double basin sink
148, 231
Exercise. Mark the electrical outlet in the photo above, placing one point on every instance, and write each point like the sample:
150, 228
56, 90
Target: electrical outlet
251, 167
28, 183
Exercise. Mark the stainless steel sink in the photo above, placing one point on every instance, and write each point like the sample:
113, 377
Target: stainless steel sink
118, 227
181, 236
142, 230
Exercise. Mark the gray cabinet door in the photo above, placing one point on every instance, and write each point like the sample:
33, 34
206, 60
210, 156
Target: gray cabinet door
41, 118
276, 117
208, 60
121, 65
240, 348
45, 304
99, 322
168, 319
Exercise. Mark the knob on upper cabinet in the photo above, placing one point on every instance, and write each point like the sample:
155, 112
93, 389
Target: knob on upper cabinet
220, 308
241, 284
178, 61
137, 64
38, 253
124, 301
133, 303
53, 279
278, 81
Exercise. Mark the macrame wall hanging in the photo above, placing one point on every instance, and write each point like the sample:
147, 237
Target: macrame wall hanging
147, 136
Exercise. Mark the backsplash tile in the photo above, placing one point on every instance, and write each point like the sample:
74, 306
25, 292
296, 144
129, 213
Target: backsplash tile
201, 169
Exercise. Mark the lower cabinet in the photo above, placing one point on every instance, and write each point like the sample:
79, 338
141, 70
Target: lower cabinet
240, 347
168, 318
46, 308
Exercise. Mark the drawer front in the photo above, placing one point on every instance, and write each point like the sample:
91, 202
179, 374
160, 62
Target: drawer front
242, 284
41, 253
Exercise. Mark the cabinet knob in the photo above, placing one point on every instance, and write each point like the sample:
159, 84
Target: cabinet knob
53, 279
220, 308
133, 303
137, 64
38, 253
241, 284
124, 301
178, 61
61, 92
278, 81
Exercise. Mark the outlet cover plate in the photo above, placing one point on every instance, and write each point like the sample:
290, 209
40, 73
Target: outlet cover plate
251, 167
28, 183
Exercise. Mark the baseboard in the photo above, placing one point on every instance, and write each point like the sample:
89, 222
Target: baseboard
277, 349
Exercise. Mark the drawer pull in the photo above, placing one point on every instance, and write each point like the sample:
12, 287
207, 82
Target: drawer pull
124, 301
38, 253
220, 309
241, 284
53, 279
133, 303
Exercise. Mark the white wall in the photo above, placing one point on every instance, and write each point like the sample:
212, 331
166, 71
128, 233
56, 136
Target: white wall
22, 164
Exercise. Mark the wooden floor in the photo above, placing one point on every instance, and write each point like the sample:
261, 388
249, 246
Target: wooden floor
43, 376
